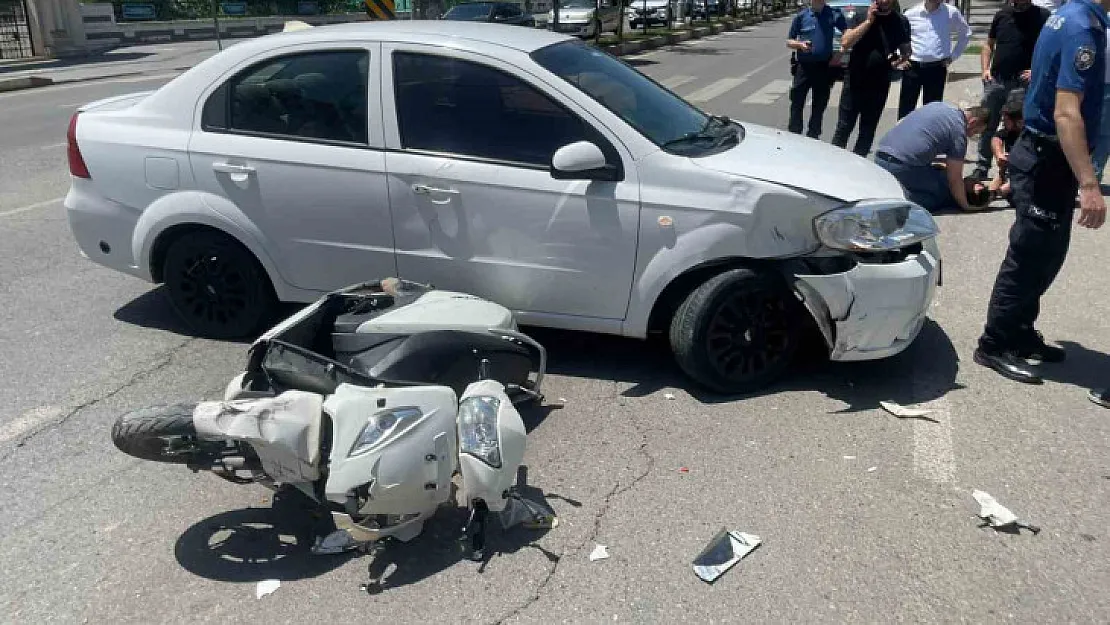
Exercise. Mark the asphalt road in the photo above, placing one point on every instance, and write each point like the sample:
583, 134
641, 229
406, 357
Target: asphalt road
864, 516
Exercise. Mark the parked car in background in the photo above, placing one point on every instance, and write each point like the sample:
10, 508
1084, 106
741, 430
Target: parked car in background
651, 12
498, 12
582, 18
520, 165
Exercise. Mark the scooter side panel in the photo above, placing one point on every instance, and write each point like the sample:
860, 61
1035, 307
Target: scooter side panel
405, 471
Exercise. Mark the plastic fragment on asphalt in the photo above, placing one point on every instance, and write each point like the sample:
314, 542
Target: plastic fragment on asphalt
600, 552
723, 552
683, 470
849, 457
901, 411
998, 516
872, 469
266, 587
669, 396
530, 514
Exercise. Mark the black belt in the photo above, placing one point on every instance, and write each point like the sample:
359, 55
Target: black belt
1040, 137
888, 158
926, 64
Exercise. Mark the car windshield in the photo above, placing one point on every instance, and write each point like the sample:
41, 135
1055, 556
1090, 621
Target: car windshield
476, 11
664, 118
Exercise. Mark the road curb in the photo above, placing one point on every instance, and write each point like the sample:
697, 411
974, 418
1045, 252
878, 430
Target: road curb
24, 82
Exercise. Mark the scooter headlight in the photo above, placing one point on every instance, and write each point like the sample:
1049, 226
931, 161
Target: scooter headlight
381, 426
875, 226
478, 435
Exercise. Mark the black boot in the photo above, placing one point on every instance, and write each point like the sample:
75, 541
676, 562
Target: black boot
1009, 365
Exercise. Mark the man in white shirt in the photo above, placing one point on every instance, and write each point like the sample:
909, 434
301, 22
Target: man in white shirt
932, 25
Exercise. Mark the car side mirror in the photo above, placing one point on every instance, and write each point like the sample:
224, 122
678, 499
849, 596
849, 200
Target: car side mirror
581, 160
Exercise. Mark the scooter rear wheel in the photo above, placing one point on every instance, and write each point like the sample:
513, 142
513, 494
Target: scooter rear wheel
157, 433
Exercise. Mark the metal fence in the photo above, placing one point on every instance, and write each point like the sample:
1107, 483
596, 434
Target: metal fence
15, 30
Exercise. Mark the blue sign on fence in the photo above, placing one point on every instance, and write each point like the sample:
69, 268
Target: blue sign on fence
134, 11
234, 8
307, 7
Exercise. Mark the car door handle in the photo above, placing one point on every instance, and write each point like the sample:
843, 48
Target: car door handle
423, 189
228, 168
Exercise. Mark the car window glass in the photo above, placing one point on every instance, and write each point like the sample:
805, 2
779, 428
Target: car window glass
453, 106
654, 111
318, 95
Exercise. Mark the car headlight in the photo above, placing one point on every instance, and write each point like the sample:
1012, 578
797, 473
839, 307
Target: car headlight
380, 427
875, 226
478, 435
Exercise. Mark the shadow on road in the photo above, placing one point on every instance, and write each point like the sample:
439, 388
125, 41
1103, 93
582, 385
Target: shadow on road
1084, 367
254, 544
70, 63
153, 310
923, 372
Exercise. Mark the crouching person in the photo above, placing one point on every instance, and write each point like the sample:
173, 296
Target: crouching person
1009, 129
910, 149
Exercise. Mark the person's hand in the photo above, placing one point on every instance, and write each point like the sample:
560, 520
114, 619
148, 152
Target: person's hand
806, 46
872, 11
986, 75
1092, 207
1027, 75
1003, 160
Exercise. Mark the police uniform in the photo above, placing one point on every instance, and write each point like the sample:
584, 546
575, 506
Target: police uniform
811, 69
1070, 54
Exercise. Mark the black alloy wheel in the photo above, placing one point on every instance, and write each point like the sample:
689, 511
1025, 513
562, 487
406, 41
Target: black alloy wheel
216, 286
736, 333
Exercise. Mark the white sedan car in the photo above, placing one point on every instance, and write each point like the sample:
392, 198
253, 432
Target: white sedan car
520, 165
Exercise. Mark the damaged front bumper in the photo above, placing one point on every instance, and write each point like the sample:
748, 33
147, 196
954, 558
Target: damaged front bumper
874, 309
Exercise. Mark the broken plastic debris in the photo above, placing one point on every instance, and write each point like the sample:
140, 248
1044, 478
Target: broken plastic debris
849, 457
723, 552
872, 469
668, 396
899, 410
600, 552
531, 514
266, 587
997, 515
683, 470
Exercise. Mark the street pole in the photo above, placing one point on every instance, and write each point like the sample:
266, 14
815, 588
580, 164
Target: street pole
216, 19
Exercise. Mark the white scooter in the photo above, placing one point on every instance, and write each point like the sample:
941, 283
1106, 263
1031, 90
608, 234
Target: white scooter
370, 401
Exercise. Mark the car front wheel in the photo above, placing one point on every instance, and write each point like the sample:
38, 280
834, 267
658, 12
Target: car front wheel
736, 333
216, 286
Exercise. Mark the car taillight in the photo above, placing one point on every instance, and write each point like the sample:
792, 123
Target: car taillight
76, 161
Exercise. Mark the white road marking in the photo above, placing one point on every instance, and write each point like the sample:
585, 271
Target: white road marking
891, 97
30, 207
674, 82
778, 59
769, 93
715, 89
54, 145
933, 455
28, 421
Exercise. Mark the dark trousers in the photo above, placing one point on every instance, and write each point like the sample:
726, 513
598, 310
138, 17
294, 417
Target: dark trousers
925, 185
926, 81
995, 93
1044, 191
863, 100
815, 77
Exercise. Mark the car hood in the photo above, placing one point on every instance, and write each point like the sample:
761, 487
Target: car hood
808, 164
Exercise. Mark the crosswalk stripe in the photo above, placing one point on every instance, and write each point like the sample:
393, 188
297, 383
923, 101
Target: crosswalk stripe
891, 98
674, 82
769, 93
715, 89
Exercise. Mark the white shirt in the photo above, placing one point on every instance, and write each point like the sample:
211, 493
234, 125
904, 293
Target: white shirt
931, 33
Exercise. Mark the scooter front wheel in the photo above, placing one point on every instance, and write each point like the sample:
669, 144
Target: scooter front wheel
158, 433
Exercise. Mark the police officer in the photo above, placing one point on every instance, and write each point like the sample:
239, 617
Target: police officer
811, 38
1049, 161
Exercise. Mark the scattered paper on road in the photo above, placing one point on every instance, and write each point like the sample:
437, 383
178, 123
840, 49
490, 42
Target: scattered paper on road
723, 552
899, 410
266, 587
997, 515
600, 552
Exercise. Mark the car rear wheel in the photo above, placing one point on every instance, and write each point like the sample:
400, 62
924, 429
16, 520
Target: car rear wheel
736, 333
217, 286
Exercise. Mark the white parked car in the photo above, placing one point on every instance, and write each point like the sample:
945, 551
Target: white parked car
520, 165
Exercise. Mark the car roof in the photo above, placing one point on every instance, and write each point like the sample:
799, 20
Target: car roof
525, 40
